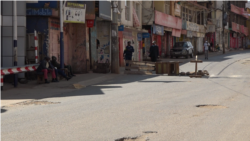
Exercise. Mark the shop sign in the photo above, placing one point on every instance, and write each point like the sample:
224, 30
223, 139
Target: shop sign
127, 34
201, 35
145, 35
121, 28
54, 24
192, 26
176, 32
40, 12
168, 29
202, 29
184, 32
139, 36
239, 11
235, 27
189, 34
167, 20
105, 10
210, 28
74, 12
90, 23
157, 29
177, 10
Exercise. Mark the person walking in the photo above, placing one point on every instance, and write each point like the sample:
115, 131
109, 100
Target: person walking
128, 52
206, 46
154, 52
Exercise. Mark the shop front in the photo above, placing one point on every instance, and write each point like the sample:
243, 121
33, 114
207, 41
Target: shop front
172, 25
158, 36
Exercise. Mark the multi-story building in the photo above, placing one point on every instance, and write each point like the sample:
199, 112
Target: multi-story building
43, 17
130, 28
237, 23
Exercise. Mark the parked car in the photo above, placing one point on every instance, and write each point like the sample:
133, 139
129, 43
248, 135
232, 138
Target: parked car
185, 49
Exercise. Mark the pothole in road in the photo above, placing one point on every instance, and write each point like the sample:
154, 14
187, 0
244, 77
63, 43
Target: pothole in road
137, 138
210, 106
35, 102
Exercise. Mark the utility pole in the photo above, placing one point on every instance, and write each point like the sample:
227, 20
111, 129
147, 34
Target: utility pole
114, 39
61, 36
223, 35
15, 39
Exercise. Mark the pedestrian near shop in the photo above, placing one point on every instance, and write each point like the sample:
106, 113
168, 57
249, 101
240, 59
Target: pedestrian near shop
46, 67
206, 46
154, 52
128, 52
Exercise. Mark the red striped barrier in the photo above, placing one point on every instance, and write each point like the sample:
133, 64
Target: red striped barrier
17, 69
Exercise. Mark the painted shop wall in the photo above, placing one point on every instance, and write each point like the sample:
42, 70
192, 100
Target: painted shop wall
94, 45
103, 35
77, 44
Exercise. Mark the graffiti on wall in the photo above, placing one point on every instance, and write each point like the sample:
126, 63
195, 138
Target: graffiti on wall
103, 42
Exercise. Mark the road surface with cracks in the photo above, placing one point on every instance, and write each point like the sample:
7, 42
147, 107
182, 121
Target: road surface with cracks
144, 107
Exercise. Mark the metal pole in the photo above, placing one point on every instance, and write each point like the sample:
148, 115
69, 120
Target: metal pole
223, 35
114, 40
61, 36
15, 40
36, 46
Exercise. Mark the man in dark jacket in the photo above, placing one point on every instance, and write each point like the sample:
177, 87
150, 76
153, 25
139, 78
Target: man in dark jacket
154, 52
58, 68
128, 52
45, 67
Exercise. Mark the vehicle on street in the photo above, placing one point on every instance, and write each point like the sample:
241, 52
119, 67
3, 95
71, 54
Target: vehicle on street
180, 49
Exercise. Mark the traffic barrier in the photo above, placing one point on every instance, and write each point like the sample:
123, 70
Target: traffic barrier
17, 69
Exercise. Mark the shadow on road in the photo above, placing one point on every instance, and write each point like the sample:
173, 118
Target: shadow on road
3, 110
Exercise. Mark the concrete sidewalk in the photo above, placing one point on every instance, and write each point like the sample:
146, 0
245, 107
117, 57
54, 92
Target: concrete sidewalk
32, 90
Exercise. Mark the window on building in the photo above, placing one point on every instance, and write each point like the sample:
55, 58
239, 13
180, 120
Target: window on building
190, 15
183, 15
167, 7
198, 17
127, 10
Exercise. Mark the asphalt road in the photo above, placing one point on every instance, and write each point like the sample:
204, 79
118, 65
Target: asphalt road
146, 107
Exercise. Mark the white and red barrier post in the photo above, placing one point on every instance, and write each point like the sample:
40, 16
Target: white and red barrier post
36, 46
16, 70
1, 82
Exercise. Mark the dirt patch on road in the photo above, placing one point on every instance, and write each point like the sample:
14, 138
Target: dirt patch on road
35, 102
245, 62
209, 106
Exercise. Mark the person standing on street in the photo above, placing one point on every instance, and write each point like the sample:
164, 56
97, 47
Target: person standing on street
154, 52
128, 52
206, 46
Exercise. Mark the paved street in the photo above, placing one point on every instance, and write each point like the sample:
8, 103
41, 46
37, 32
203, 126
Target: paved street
143, 107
